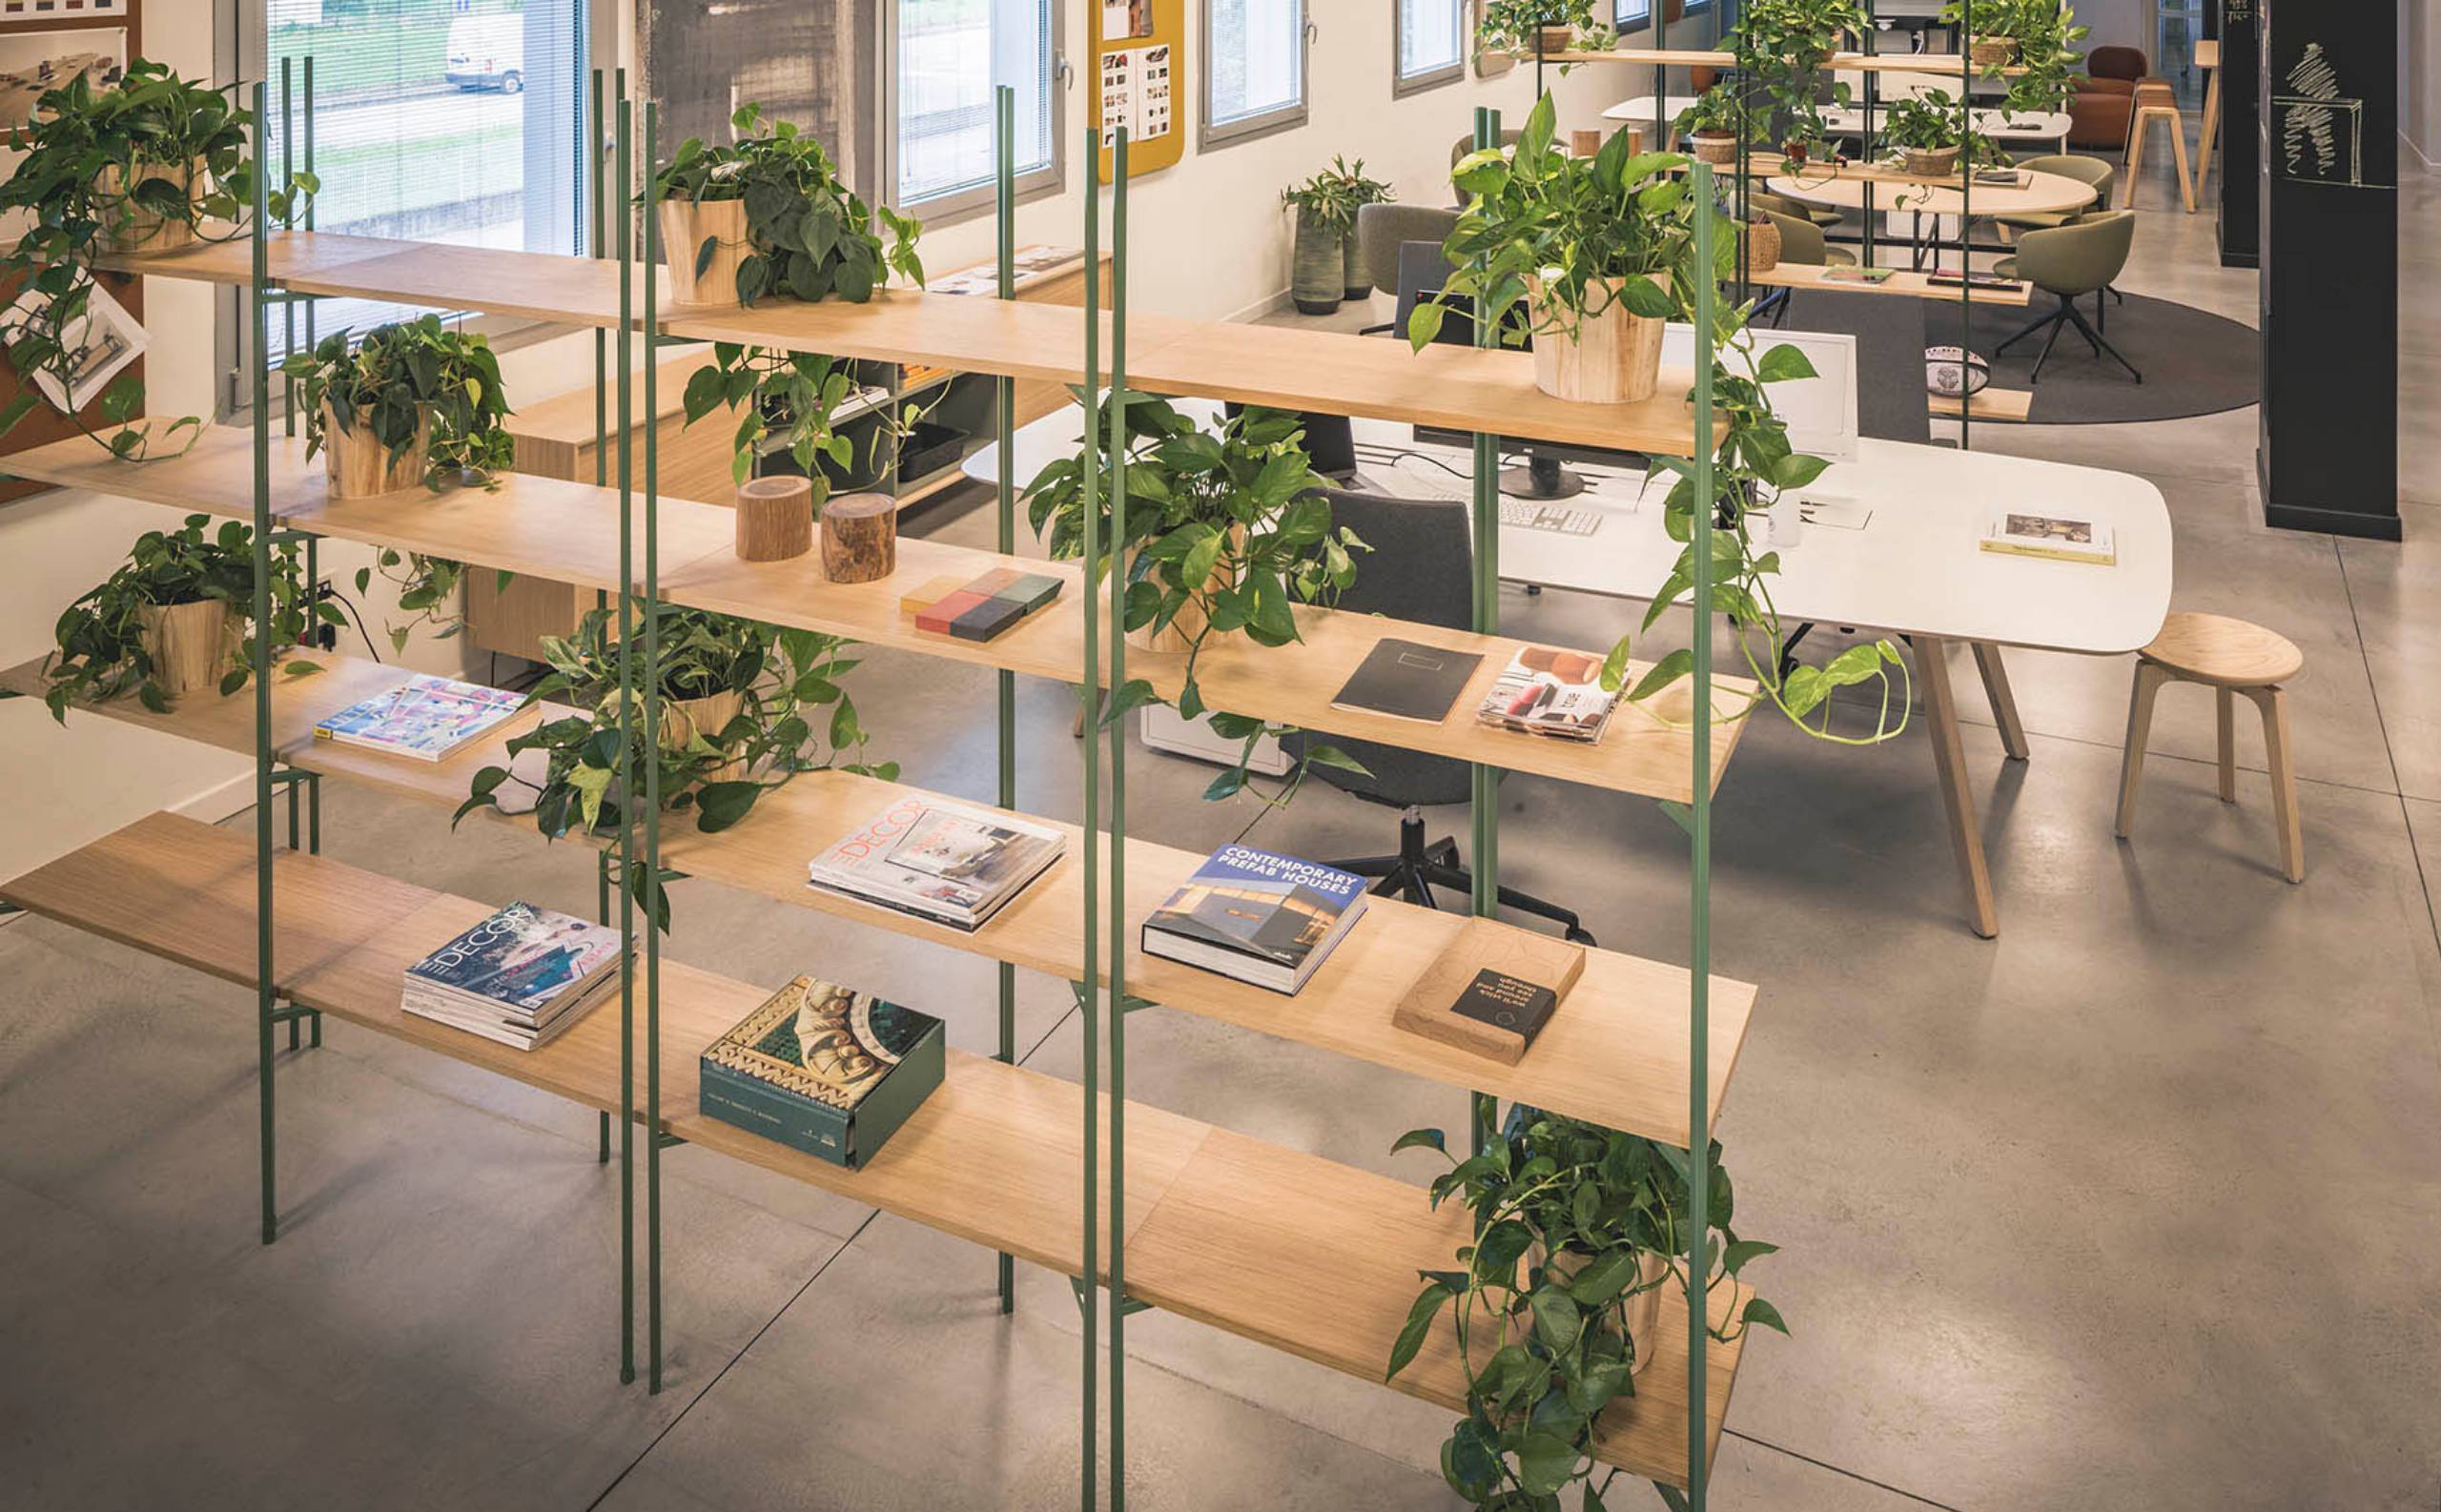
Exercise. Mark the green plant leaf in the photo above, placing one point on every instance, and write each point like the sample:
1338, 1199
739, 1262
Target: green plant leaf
1418, 1326
1421, 1138
1759, 1311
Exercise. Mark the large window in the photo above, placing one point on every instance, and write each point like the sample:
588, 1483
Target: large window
1431, 44
1636, 14
457, 121
1254, 68
947, 55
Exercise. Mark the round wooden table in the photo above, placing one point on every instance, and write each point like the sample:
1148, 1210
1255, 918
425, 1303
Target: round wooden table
2041, 193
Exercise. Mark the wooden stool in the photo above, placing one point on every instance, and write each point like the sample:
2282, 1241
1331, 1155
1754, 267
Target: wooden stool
2207, 58
2232, 658
2155, 102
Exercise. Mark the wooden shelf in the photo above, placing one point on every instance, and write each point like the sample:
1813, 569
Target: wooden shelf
1904, 281
1290, 1250
2008, 406
568, 532
1321, 1260
1340, 374
1615, 1053
1840, 62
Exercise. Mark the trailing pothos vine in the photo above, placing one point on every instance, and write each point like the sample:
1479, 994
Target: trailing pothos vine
410, 380
1227, 530
107, 170
1579, 1234
793, 715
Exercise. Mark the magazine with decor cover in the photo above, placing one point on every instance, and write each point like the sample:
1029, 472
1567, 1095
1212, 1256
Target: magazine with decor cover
522, 959
1258, 916
1545, 692
824, 1069
424, 717
938, 860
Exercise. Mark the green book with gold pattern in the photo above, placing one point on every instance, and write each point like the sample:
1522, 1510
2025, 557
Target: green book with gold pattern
823, 1069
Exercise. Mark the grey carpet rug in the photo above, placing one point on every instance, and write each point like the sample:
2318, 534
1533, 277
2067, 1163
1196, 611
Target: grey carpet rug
2194, 362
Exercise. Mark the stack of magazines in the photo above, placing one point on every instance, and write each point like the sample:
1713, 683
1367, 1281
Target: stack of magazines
938, 861
1545, 691
424, 717
521, 977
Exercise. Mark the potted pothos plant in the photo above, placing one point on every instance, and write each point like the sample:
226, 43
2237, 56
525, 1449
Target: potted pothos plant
1926, 132
2046, 57
744, 708
1587, 244
1991, 26
1227, 530
174, 619
769, 214
1783, 45
125, 170
1713, 123
1579, 1237
410, 403
1532, 25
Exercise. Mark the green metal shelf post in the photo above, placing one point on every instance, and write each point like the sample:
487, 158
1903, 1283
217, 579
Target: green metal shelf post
259, 651
1700, 852
1090, 693
1117, 725
1484, 782
653, 728
626, 760
1004, 405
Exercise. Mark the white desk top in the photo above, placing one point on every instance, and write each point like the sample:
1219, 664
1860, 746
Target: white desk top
2041, 193
1915, 566
1640, 109
1998, 125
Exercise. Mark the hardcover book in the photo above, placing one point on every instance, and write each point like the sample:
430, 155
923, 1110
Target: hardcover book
424, 717
2057, 538
939, 861
1259, 917
1408, 680
823, 1069
1491, 990
1551, 692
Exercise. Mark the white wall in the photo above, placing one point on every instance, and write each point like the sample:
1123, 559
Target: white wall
2116, 22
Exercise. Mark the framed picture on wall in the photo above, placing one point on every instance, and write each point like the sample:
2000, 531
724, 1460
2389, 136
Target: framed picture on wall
33, 63
22, 13
101, 344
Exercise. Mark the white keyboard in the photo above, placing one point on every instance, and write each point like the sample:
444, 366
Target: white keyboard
1528, 513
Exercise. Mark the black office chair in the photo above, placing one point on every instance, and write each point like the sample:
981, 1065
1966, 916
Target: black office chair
1421, 569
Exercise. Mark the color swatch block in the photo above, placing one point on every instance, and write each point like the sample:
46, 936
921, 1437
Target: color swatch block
980, 607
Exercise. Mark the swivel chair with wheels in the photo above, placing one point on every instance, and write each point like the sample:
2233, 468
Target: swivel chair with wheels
1421, 569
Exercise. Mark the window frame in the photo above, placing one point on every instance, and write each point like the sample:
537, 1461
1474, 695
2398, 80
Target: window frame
1247, 129
1404, 83
239, 32
950, 207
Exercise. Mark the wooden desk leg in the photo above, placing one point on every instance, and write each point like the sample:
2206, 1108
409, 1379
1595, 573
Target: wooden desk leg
2004, 699
2211, 129
2178, 156
1958, 797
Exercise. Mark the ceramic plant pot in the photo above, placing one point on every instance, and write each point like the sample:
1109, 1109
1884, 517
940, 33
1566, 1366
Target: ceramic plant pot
1613, 357
359, 466
191, 646
1318, 269
1354, 285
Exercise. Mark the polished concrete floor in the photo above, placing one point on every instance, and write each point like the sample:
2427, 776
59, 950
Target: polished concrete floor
2132, 1207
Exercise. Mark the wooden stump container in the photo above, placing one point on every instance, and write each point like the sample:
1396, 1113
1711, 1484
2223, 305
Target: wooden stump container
1644, 1307
191, 644
1178, 634
359, 466
684, 717
1318, 270
1585, 141
1613, 357
774, 518
143, 230
685, 225
860, 538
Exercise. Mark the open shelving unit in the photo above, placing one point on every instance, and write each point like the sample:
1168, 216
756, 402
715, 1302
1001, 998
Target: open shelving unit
1299, 1251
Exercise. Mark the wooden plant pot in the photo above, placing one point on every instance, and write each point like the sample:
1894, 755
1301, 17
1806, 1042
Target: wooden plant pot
1993, 53
1550, 41
1715, 147
685, 225
1354, 285
1762, 247
1644, 1307
359, 466
193, 646
683, 718
774, 518
1612, 358
144, 231
1318, 267
860, 538
1180, 634
1937, 162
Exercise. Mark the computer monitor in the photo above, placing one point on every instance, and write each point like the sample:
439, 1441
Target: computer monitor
1330, 444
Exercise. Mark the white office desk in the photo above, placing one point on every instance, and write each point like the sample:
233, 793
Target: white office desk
1914, 569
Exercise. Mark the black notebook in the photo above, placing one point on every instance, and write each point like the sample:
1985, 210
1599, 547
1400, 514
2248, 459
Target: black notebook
1408, 680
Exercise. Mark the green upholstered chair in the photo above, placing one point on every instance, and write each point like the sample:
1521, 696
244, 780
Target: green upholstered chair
2069, 262
1381, 230
1819, 214
1801, 241
2066, 165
